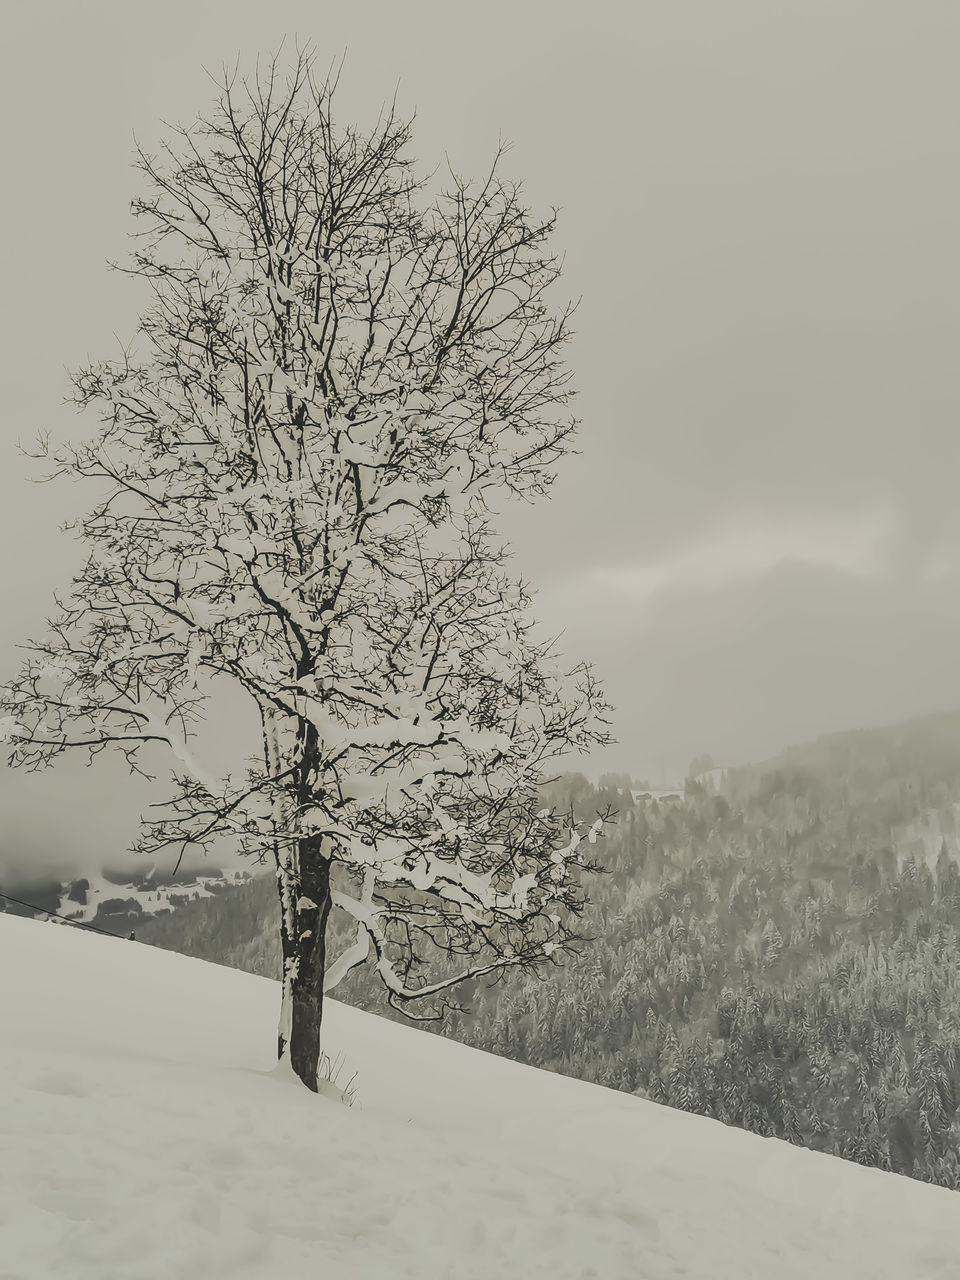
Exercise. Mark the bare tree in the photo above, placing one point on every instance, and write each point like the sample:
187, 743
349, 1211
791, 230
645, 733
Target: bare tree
340, 368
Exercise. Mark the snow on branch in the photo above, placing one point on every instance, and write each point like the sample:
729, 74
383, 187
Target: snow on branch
338, 370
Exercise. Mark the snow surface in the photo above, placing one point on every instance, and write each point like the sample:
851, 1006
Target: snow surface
145, 1135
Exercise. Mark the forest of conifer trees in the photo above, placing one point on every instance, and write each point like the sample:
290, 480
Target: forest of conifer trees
777, 950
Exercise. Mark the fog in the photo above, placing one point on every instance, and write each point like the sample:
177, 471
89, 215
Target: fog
759, 542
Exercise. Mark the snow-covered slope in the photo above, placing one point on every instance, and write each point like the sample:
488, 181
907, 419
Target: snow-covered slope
143, 1135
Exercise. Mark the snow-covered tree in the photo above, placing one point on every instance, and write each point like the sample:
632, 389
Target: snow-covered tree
341, 368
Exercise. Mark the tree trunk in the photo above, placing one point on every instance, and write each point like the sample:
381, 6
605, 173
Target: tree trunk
305, 908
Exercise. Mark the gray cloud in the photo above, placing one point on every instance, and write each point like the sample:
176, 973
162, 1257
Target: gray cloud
760, 210
744, 669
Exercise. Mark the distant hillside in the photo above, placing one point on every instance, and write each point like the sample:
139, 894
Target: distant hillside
775, 948
923, 752
239, 927
896, 786
117, 902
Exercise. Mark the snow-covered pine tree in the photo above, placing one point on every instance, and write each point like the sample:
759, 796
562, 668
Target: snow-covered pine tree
341, 368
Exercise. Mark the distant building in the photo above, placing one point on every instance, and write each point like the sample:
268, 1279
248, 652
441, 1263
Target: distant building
663, 795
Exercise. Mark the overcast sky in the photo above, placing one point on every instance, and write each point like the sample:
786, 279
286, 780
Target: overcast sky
760, 208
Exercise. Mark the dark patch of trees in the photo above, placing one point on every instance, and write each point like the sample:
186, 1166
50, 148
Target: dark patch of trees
781, 956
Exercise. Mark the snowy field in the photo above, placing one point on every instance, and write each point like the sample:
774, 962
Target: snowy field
143, 1135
